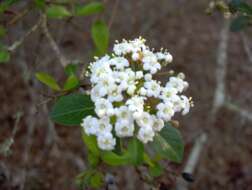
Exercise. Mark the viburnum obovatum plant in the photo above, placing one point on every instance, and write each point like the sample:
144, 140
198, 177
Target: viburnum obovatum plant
126, 114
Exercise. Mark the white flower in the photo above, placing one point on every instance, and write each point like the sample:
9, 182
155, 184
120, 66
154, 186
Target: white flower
150, 62
167, 57
145, 120
119, 62
145, 134
115, 94
123, 113
185, 104
136, 104
103, 126
168, 93
90, 125
122, 48
106, 141
165, 111
103, 107
152, 88
124, 128
135, 56
147, 77
139, 74
158, 124
177, 83
95, 93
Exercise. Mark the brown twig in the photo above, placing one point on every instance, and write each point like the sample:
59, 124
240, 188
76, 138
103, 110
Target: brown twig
19, 42
114, 11
63, 61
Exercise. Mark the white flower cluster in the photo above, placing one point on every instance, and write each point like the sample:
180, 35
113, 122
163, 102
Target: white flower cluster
128, 100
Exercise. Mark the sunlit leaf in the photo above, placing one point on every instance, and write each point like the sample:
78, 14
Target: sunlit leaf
47, 80
57, 11
71, 83
100, 36
91, 8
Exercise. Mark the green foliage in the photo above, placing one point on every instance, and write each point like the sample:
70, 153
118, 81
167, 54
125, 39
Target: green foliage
71, 82
47, 80
4, 56
136, 152
6, 4
2, 31
89, 178
168, 144
91, 143
40, 3
156, 170
57, 12
71, 109
100, 36
71, 69
239, 23
89, 9
114, 159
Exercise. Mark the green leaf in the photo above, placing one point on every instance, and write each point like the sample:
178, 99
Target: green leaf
245, 8
156, 170
47, 80
83, 179
136, 151
71, 109
57, 11
169, 144
39, 3
71, 83
71, 69
4, 56
91, 8
96, 180
2, 31
91, 143
100, 36
114, 159
239, 23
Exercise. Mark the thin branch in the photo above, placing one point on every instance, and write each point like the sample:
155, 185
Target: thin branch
193, 160
114, 11
220, 90
19, 42
63, 61
243, 113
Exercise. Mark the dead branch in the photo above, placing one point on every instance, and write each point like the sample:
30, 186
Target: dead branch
19, 42
63, 61
193, 159
220, 91
243, 113
246, 46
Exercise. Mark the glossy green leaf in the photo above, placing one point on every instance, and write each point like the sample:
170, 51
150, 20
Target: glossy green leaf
47, 80
89, 9
71, 109
4, 56
71, 82
239, 23
114, 159
169, 144
136, 151
100, 36
91, 143
57, 11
